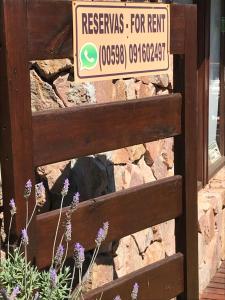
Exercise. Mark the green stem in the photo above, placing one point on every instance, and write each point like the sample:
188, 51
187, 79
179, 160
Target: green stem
10, 225
71, 284
66, 252
32, 215
57, 229
27, 211
25, 278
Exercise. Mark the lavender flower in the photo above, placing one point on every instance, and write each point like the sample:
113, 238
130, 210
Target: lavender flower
12, 206
25, 239
15, 292
59, 255
53, 277
68, 231
117, 298
134, 293
65, 187
28, 187
78, 255
75, 202
102, 233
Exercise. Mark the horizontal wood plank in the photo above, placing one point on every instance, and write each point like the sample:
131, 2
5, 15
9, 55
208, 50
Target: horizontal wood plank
161, 280
127, 212
91, 129
50, 29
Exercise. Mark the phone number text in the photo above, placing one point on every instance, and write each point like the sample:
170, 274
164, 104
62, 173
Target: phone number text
136, 53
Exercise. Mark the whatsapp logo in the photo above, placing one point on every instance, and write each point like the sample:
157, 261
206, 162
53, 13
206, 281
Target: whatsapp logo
88, 56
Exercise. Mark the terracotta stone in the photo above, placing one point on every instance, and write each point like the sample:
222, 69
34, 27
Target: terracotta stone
102, 271
204, 276
143, 239
146, 171
223, 235
120, 90
157, 235
207, 226
155, 252
120, 156
136, 176
162, 92
144, 79
144, 90
50, 68
136, 152
201, 249
62, 86
105, 91
159, 168
167, 152
167, 231
43, 96
160, 80
128, 258
122, 177
130, 89
212, 257
153, 151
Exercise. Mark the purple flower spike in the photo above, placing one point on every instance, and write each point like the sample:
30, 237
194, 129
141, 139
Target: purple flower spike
117, 298
75, 202
12, 205
78, 255
15, 292
25, 239
65, 187
53, 277
68, 231
59, 255
134, 293
28, 188
102, 233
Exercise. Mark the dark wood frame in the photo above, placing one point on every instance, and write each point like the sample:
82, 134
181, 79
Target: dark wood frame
41, 29
204, 171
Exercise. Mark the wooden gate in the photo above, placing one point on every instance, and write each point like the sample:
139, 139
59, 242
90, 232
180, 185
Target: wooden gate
42, 29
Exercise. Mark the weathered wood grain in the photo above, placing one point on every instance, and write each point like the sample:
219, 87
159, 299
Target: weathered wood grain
50, 29
74, 132
127, 211
161, 280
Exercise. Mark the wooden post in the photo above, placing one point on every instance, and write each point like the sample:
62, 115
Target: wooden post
15, 112
185, 81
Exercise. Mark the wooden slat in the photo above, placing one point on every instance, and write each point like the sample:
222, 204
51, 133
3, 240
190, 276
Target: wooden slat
15, 113
161, 280
91, 129
185, 155
177, 29
50, 29
127, 211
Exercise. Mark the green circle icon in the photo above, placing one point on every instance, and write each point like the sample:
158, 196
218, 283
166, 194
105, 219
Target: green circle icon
88, 56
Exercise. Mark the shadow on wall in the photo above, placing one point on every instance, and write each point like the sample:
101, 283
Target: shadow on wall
91, 176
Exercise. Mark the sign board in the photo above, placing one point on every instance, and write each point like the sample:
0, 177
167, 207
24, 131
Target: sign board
117, 40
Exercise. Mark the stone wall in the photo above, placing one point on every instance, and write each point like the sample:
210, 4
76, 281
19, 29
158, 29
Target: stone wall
211, 236
52, 87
